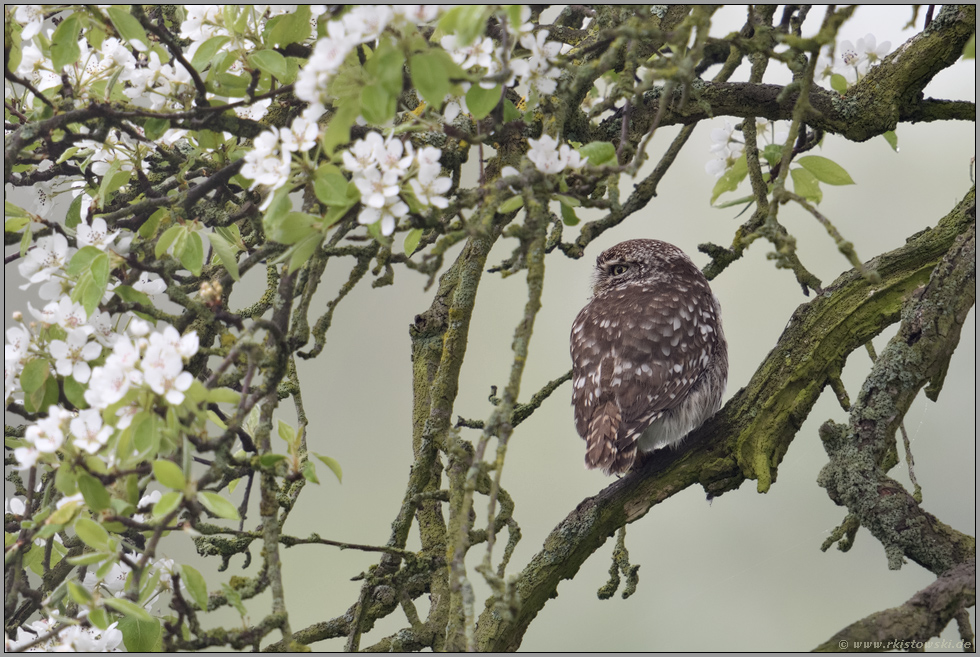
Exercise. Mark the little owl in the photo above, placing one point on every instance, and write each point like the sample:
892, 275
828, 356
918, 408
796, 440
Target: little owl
649, 358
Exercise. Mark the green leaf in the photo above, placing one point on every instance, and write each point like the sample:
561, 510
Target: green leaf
34, 374
25, 241
303, 250
224, 395
806, 185
89, 558
127, 608
279, 207
92, 534
130, 295
825, 170
570, 201
309, 472
79, 593
196, 586
74, 216
269, 61
482, 101
166, 504
94, 492
207, 50
331, 186
338, 130
153, 129
430, 75
83, 259
140, 635
63, 515
270, 460
730, 180
511, 204
970, 49
467, 21
332, 464
511, 113
169, 474
235, 599
66, 481
598, 152
100, 272
294, 227
286, 431
128, 27
146, 434
838, 83
74, 392
892, 139
227, 253
11, 210
166, 240
290, 28
772, 154
64, 43
412, 240
386, 66
15, 224
149, 227
88, 291
377, 105
192, 255
218, 505
568, 215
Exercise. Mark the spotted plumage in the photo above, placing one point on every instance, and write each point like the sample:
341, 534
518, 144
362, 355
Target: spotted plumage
649, 357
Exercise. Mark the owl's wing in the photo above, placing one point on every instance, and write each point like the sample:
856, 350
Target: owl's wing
643, 347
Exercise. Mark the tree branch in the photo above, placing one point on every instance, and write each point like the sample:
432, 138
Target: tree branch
924, 616
918, 356
750, 435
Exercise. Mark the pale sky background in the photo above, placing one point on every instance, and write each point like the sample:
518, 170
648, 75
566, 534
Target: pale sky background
743, 573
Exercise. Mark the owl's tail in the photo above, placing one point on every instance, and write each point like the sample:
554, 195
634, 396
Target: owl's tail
602, 450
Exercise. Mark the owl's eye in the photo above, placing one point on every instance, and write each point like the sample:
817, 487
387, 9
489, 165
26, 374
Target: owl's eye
618, 269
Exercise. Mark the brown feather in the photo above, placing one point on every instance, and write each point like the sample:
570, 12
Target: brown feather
601, 449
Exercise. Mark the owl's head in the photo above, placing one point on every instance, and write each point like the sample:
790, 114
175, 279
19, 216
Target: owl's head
639, 261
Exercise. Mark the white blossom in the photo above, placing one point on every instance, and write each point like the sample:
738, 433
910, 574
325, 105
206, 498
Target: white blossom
429, 188
478, 53
363, 153
376, 188
49, 255
547, 157
267, 163
47, 435
90, 434
388, 214
72, 355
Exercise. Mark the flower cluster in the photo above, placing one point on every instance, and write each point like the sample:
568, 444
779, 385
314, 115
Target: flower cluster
380, 169
728, 147
537, 70
363, 24
151, 360
73, 638
548, 157
854, 61
269, 162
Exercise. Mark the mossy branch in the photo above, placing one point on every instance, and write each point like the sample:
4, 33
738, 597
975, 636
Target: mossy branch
923, 616
916, 357
750, 435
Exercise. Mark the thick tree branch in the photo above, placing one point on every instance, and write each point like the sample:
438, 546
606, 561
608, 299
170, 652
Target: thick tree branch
922, 617
918, 356
748, 437
890, 94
